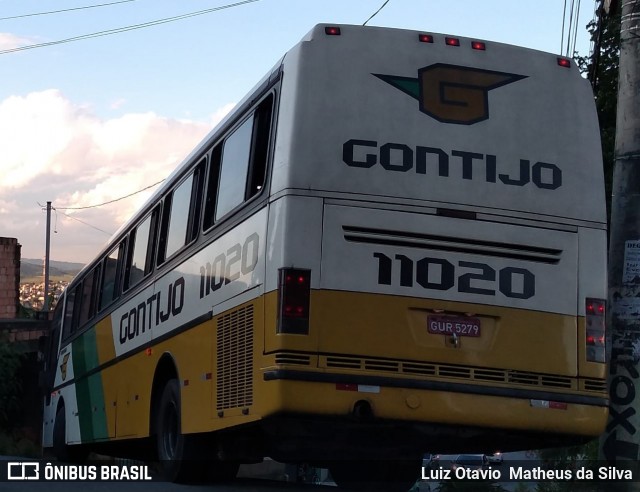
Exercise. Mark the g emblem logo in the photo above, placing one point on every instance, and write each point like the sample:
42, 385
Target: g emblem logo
451, 93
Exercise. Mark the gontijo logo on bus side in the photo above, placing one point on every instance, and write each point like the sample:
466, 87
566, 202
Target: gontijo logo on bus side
451, 93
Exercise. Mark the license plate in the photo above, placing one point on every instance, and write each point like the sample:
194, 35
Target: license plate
450, 325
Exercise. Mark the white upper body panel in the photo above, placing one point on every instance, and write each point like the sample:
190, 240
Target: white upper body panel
374, 111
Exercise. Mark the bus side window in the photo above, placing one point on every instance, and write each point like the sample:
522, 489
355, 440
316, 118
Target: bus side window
87, 298
260, 147
95, 291
176, 219
196, 200
181, 214
77, 304
234, 168
69, 299
109, 289
244, 160
138, 265
212, 187
153, 239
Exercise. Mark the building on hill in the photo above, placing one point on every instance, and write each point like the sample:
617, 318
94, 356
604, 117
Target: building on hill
9, 277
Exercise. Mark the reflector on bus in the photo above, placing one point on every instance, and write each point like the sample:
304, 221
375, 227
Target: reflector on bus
595, 338
294, 288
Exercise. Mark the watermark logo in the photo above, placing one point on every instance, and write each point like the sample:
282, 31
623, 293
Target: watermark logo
17, 470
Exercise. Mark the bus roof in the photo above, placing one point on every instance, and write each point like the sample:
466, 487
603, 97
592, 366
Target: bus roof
438, 119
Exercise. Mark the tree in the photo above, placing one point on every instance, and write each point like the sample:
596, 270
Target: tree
10, 361
602, 69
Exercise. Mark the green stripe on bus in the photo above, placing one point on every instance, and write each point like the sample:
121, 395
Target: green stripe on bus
89, 390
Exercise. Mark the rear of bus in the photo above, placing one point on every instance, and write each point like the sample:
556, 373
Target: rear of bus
436, 257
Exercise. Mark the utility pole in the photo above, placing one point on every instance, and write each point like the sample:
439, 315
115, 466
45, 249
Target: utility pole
620, 444
45, 304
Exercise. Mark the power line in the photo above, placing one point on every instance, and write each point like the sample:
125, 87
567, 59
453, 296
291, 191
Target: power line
564, 17
571, 28
65, 10
127, 28
575, 31
376, 12
111, 201
76, 219
87, 224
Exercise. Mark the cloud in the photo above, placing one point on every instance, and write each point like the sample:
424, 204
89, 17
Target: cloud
58, 150
118, 103
10, 41
218, 116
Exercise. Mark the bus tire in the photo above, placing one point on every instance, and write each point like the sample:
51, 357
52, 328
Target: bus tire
169, 438
61, 450
374, 475
184, 458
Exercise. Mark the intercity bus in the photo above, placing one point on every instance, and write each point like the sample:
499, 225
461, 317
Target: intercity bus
395, 243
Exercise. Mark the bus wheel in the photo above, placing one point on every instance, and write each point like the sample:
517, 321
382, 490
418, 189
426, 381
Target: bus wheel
169, 438
390, 476
183, 457
61, 450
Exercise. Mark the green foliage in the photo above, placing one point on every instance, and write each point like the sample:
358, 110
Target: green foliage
10, 387
603, 73
26, 312
521, 487
564, 457
16, 444
569, 458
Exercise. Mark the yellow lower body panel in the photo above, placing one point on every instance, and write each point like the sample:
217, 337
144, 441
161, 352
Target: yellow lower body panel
435, 407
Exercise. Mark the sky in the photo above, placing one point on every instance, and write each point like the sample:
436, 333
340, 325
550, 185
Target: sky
90, 121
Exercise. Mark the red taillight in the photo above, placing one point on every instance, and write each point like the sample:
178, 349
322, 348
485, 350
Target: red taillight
425, 38
595, 310
564, 62
294, 290
478, 45
452, 41
332, 31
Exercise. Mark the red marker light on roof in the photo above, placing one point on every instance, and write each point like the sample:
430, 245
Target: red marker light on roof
478, 45
332, 31
425, 38
452, 41
564, 62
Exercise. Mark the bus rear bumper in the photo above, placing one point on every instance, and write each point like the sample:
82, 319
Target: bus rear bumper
435, 415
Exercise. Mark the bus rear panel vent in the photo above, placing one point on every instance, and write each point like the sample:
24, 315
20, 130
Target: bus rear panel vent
235, 359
